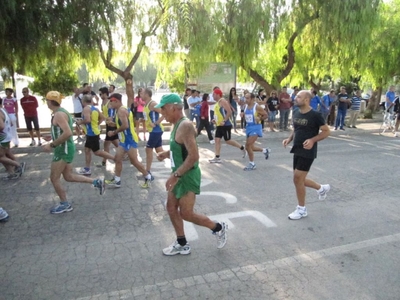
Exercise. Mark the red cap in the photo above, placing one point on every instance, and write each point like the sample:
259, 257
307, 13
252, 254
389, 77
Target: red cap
218, 92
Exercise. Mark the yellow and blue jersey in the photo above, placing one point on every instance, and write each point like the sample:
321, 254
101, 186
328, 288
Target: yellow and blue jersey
219, 115
93, 128
128, 135
150, 117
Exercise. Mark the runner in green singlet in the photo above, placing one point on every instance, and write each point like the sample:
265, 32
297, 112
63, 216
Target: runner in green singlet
64, 149
184, 183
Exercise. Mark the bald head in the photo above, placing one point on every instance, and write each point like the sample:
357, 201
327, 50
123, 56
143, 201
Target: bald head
303, 98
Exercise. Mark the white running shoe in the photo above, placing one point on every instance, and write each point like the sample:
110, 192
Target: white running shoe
175, 249
325, 189
267, 152
222, 235
84, 171
215, 160
212, 142
244, 152
298, 213
250, 167
3, 215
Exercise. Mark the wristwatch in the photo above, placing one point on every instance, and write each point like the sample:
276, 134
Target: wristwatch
52, 145
177, 175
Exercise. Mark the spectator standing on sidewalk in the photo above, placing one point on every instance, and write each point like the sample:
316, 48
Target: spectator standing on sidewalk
344, 102
328, 101
10, 104
355, 108
285, 103
29, 105
204, 120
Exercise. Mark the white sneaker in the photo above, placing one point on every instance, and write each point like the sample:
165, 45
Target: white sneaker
322, 195
3, 215
298, 213
212, 142
250, 167
215, 160
266, 152
222, 235
175, 249
244, 152
84, 171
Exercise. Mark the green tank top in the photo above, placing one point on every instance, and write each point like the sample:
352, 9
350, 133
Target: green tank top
178, 152
57, 131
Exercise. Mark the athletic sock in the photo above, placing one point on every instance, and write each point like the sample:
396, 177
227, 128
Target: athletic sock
321, 189
217, 228
116, 178
148, 176
181, 240
252, 162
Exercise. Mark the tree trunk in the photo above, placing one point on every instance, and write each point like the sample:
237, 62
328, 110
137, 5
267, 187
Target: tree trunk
129, 86
374, 101
261, 81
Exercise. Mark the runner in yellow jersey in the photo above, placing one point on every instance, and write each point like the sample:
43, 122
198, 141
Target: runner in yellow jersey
153, 119
109, 115
92, 118
222, 115
128, 142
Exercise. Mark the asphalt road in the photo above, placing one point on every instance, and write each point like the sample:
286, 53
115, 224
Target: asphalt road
110, 247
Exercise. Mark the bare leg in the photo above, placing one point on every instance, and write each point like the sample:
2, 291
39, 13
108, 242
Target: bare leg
182, 209
133, 157
118, 161
186, 205
217, 146
31, 134
38, 135
233, 143
105, 155
88, 157
249, 146
301, 182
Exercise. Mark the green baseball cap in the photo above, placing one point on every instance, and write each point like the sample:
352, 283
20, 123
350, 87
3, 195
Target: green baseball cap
169, 99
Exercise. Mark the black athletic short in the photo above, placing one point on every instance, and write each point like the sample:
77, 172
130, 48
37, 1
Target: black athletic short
302, 163
111, 138
223, 132
30, 120
93, 142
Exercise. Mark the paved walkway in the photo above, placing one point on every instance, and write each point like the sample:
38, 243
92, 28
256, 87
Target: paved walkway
110, 247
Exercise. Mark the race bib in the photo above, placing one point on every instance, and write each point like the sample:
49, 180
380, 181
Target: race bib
249, 118
171, 157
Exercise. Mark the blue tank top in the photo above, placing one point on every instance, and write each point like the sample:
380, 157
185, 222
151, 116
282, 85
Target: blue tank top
249, 115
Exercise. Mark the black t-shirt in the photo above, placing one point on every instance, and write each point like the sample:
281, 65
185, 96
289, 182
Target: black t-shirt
342, 105
272, 102
306, 126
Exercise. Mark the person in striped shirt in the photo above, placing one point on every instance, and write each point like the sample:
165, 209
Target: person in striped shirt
355, 108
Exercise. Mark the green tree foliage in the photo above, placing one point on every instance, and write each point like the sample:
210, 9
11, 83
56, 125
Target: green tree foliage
50, 79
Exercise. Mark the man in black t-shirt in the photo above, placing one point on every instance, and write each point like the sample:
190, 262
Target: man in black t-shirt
309, 128
344, 100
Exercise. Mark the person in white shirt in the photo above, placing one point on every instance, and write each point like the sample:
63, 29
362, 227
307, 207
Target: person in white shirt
77, 101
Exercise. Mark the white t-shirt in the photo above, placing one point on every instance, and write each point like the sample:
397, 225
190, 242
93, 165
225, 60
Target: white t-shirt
211, 100
77, 103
